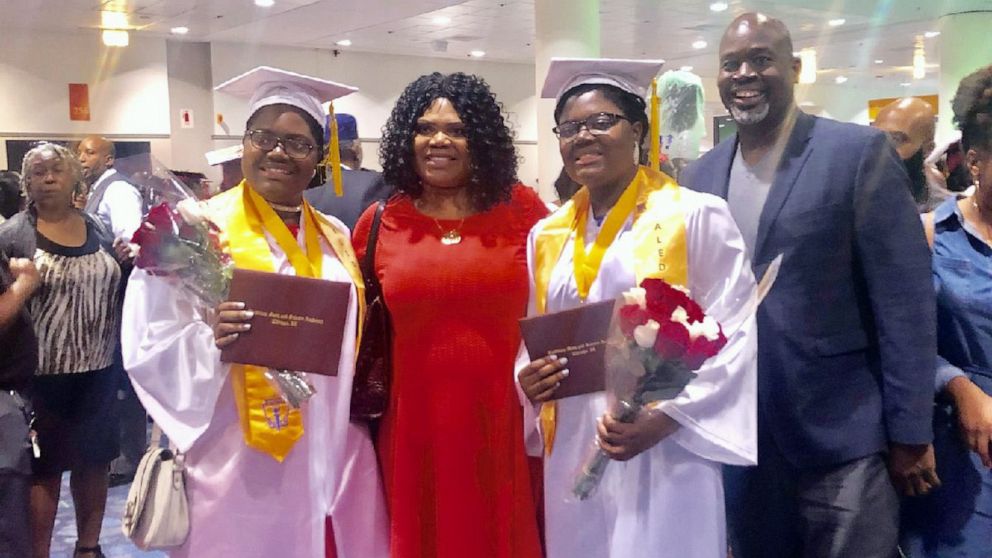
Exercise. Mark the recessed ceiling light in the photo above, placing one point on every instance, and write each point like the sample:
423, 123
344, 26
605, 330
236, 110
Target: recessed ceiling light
441, 20
931, 34
718, 6
179, 30
699, 44
686, 68
344, 42
265, 3
477, 53
837, 22
840, 79
879, 61
905, 84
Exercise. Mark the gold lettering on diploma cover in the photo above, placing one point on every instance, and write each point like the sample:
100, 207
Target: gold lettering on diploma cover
579, 350
288, 320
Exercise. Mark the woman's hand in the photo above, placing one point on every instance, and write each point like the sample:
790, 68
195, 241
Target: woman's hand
974, 416
541, 378
230, 320
27, 279
624, 440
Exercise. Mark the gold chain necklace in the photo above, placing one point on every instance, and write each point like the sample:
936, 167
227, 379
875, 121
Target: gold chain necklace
449, 237
286, 208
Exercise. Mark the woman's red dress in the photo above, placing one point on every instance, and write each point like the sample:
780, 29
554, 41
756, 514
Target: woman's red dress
451, 443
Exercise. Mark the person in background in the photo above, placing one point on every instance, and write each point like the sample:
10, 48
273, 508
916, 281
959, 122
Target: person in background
956, 519
114, 200
196, 181
846, 337
76, 318
118, 205
451, 258
911, 123
18, 281
362, 187
11, 198
308, 488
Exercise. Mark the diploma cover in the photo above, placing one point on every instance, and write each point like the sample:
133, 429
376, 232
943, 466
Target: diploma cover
298, 324
580, 335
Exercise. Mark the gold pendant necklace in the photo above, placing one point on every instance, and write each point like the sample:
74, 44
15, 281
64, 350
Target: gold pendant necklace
449, 237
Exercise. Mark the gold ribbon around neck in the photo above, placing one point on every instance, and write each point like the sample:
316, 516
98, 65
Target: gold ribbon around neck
658, 240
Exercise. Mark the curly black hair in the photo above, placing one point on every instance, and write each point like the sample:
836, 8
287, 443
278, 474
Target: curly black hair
631, 106
972, 106
490, 142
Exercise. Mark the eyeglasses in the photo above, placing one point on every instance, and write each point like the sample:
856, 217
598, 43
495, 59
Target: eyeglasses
265, 140
597, 124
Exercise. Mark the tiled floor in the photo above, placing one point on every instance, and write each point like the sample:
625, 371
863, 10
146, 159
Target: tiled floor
112, 540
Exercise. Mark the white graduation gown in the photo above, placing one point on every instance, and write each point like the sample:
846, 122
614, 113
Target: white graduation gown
243, 502
667, 501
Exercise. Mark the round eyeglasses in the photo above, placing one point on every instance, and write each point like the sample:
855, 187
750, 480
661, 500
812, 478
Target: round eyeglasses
597, 124
265, 140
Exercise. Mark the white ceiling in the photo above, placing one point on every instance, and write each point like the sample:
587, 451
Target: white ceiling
504, 29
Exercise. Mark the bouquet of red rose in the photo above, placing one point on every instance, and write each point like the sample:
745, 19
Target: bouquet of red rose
658, 337
184, 244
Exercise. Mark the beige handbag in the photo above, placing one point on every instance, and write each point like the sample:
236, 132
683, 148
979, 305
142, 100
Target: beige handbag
156, 515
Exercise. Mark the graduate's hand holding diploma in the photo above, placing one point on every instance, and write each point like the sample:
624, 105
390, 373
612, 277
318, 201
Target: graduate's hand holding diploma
542, 377
229, 320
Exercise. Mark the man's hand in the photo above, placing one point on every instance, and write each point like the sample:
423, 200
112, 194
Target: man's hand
124, 250
913, 469
622, 440
974, 416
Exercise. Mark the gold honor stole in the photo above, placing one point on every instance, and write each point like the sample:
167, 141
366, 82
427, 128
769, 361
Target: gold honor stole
658, 238
268, 423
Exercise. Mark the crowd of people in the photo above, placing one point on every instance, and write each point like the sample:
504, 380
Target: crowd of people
847, 416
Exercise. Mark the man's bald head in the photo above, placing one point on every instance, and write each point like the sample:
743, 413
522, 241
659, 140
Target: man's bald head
96, 154
910, 123
752, 23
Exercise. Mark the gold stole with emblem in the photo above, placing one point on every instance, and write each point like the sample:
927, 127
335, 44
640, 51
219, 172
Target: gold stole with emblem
658, 239
267, 422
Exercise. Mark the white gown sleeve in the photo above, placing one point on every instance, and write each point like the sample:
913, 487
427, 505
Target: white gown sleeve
718, 410
170, 356
533, 442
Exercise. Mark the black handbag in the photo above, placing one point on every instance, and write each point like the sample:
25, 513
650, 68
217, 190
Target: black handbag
373, 366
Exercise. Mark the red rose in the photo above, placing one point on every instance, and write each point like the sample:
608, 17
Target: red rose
631, 316
673, 340
702, 349
662, 299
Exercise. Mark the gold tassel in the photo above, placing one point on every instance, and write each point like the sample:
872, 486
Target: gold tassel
334, 153
655, 127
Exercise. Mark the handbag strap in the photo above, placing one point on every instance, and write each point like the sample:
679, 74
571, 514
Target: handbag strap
372, 286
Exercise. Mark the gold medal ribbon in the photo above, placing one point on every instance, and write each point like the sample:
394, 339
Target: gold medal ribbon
268, 423
659, 247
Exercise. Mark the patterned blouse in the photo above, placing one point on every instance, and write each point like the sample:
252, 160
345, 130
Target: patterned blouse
75, 311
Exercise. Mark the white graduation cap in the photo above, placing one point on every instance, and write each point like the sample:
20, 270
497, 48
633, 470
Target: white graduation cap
224, 154
265, 86
633, 76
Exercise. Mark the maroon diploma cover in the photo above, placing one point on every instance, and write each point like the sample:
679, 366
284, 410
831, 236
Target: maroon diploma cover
578, 334
298, 324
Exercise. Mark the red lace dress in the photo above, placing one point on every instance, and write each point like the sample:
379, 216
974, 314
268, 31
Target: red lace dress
451, 444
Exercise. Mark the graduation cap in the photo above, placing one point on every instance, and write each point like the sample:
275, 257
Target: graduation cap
637, 77
264, 86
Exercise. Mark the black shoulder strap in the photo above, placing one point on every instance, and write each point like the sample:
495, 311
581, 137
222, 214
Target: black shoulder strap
372, 286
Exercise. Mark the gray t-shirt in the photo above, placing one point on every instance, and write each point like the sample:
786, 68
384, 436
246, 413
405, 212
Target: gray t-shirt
748, 190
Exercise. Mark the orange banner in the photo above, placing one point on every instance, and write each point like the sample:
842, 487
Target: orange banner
79, 101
